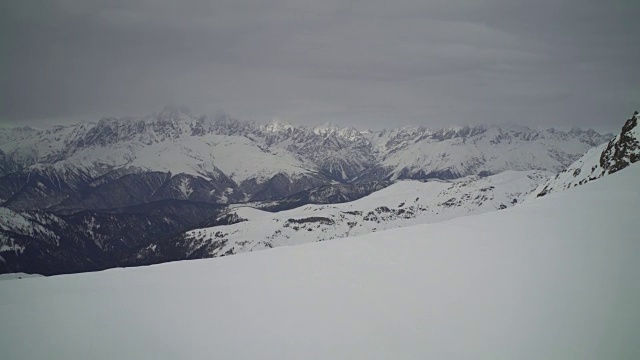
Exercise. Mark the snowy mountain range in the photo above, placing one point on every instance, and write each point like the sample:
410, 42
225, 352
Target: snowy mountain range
404, 203
174, 155
553, 278
146, 191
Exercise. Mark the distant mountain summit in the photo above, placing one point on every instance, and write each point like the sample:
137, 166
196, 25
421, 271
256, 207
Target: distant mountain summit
174, 154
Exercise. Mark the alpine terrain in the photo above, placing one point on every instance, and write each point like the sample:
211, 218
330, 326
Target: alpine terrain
173, 186
175, 155
547, 279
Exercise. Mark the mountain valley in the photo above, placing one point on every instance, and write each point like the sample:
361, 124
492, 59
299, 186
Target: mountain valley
129, 192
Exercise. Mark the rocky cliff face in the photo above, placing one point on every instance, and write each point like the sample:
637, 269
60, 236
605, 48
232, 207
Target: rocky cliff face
615, 155
624, 149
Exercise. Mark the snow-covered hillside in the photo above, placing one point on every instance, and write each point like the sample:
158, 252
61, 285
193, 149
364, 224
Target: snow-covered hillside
620, 152
554, 278
404, 203
126, 192
176, 155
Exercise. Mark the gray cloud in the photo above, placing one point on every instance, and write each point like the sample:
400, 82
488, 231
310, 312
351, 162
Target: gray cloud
366, 63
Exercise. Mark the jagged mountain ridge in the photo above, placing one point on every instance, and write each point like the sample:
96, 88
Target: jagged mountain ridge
620, 152
246, 229
225, 160
153, 230
421, 153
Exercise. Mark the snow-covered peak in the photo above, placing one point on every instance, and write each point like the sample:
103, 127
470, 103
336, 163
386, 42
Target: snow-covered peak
277, 125
348, 133
260, 157
326, 128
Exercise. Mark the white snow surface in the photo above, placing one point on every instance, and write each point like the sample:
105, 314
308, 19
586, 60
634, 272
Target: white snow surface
585, 169
404, 203
16, 276
554, 278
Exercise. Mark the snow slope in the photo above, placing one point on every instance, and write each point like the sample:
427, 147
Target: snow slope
555, 278
404, 203
620, 152
16, 276
583, 170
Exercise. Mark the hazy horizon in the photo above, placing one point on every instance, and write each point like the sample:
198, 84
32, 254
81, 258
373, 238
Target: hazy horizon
366, 64
44, 124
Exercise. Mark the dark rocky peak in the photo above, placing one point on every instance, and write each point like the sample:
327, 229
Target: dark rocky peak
624, 149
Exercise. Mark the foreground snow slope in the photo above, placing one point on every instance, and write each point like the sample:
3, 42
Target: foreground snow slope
16, 276
555, 278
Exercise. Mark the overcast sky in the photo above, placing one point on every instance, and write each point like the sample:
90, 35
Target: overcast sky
370, 64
